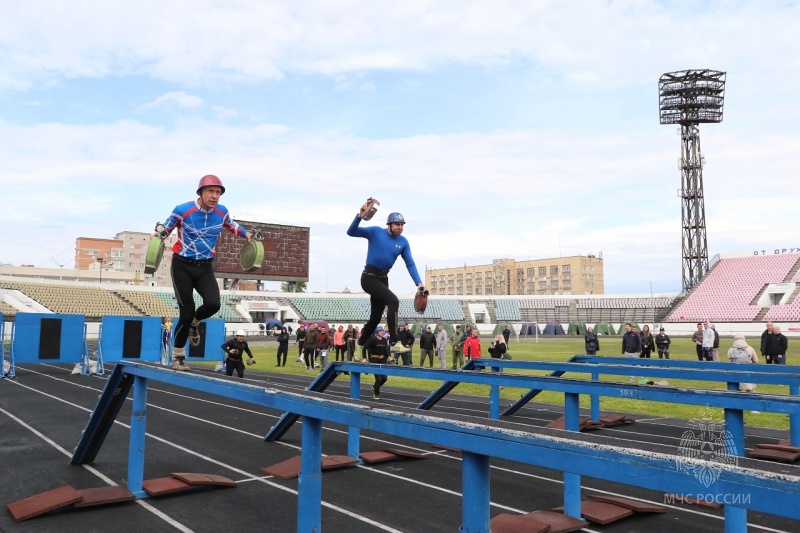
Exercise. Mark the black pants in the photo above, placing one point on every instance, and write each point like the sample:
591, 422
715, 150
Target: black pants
340, 350
308, 356
379, 381
380, 297
645, 353
351, 349
283, 349
231, 365
699, 349
300, 345
187, 277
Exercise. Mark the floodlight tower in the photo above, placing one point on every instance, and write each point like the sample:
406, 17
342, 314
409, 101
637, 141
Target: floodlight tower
687, 98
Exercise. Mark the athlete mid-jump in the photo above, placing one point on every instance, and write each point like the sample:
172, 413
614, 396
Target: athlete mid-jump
385, 246
199, 224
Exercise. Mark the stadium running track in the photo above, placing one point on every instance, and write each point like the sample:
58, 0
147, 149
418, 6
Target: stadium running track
44, 410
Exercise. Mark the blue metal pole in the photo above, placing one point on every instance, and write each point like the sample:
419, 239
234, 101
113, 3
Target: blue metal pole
353, 433
475, 492
794, 420
572, 482
494, 398
595, 399
735, 517
309, 486
137, 436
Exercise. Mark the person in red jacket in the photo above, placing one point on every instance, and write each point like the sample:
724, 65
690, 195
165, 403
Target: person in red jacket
472, 345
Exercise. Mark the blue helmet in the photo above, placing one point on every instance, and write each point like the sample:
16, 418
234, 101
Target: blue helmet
395, 218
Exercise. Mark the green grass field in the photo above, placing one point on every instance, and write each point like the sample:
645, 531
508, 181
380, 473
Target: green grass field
559, 350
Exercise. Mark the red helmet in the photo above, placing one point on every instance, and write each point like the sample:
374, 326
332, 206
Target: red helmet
208, 181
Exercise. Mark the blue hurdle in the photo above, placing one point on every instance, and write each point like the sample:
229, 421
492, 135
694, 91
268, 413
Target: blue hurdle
761, 486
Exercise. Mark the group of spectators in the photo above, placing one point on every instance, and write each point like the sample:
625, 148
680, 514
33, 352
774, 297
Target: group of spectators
634, 343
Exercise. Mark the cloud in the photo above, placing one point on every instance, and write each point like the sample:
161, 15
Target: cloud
202, 42
175, 99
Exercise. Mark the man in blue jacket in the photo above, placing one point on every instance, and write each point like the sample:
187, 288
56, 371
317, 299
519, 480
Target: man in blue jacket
385, 246
198, 223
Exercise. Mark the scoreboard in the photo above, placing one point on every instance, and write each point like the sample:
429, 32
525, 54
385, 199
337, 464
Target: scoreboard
285, 253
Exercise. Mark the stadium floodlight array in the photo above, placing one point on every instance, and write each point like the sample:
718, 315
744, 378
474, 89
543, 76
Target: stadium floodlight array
689, 98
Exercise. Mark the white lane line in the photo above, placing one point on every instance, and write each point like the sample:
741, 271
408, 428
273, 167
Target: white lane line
97, 473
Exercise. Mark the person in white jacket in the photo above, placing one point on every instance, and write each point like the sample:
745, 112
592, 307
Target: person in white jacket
742, 353
441, 345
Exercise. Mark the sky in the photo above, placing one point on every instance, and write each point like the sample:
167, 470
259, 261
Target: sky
513, 129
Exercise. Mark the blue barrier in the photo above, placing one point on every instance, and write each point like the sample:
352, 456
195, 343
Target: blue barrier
48, 338
123, 337
733, 375
212, 336
760, 489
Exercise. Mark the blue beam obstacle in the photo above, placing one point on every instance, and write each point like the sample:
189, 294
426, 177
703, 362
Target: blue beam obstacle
756, 485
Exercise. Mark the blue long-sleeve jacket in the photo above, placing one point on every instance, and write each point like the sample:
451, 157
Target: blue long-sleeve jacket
198, 229
384, 248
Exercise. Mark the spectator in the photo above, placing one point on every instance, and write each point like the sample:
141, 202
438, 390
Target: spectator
301, 341
376, 349
707, 344
647, 342
323, 343
590, 341
338, 343
234, 349
742, 353
631, 344
777, 347
458, 346
310, 346
283, 345
441, 345
506, 333
766, 337
472, 345
350, 341
697, 339
715, 347
427, 345
498, 347
662, 343
406, 338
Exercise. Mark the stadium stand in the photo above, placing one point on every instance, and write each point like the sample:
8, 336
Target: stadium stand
620, 310
728, 292
147, 303
227, 310
333, 309
92, 302
507, 310
7, 311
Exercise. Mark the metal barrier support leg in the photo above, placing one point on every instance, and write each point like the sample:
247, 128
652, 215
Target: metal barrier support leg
794, 420
595, 399
475, 493
494, 399
309, 500
353, 433
572, 482
137, 437
735, 517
